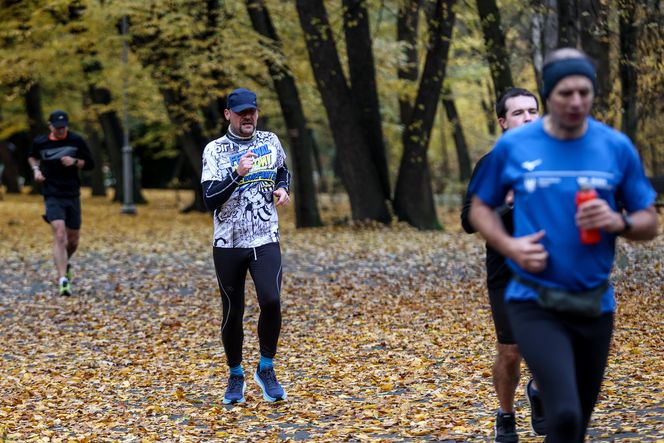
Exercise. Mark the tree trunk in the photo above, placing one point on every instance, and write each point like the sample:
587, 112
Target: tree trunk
628, 72
191, 139
358, 170
364, 92
407, 24
445, 156
9, 175
654, 159
594, 35
36, 126
413, 198
459, 138
215, 123
192, 142
306, 205
36, 122
494, 46
113, 131
544, 34
161, 58
489, 108
323, 185
114, 139
213, 112
568, 28
110, 126
97, 174
113, 134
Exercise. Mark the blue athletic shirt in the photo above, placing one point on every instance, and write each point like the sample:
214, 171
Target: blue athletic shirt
545, 174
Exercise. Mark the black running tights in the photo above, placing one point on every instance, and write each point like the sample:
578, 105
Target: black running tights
264, 265
567, 356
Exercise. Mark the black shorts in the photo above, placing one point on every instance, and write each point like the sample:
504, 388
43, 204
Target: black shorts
67, 209
500, 319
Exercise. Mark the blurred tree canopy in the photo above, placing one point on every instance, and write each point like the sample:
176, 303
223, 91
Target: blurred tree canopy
185, 56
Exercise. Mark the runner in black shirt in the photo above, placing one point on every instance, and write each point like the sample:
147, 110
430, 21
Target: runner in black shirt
515, 107
56, 159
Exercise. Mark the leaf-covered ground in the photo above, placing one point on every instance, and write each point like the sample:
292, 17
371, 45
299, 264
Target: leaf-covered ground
387, 335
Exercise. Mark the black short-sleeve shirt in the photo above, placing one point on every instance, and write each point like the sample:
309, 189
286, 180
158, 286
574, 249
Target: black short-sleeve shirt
60, 180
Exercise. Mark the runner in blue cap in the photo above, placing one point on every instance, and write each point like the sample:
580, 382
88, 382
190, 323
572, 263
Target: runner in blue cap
245, 180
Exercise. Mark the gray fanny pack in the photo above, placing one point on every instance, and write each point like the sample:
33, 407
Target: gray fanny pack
584, 303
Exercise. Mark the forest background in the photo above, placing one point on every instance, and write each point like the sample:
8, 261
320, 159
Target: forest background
387, 334
390, 102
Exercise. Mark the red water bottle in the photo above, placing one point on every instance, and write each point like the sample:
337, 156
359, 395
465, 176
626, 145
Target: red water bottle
588, 236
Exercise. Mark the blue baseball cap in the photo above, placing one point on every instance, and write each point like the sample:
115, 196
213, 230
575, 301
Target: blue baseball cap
59, 119
241, 99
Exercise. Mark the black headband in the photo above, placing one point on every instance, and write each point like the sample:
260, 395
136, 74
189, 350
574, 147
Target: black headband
555, 71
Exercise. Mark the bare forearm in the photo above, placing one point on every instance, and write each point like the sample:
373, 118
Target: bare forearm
488, 223
526, 251
644, 225
597, 214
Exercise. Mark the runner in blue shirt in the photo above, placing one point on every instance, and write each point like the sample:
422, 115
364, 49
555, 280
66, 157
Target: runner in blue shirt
559, 301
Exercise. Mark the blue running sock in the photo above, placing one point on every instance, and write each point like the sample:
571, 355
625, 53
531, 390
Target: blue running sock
265, 363
237, 370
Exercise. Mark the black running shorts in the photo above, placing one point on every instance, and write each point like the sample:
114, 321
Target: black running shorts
67, 209
500, 319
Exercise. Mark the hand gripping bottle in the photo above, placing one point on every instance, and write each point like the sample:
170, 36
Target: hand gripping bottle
584, 194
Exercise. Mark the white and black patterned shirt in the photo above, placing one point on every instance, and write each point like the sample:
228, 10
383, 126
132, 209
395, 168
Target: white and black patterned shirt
244, 212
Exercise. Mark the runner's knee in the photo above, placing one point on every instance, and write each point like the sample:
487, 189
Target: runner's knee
509, 354
564, 425
72, 242
270, 304
60, 236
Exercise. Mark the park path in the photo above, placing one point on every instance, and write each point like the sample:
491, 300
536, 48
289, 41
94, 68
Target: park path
386, 337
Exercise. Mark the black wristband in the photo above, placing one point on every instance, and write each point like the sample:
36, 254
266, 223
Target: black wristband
627, 220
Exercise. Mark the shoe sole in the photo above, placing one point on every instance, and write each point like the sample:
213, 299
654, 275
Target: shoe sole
495, 431
532, 428
227, 401
257, 379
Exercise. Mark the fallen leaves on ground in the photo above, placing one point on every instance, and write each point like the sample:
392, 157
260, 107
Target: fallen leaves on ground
387, 335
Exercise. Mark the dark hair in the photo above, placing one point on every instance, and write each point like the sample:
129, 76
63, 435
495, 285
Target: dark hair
512, 92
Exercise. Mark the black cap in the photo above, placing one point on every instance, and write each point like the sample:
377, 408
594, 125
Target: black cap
59, 119
242, 99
